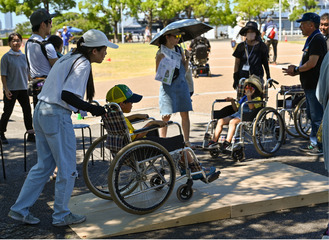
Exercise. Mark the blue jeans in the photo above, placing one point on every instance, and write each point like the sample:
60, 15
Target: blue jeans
314, 111
56, 146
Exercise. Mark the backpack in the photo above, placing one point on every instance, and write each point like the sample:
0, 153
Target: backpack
42, 45
271, 35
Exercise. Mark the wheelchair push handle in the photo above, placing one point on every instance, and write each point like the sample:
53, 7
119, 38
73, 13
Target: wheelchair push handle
271, 83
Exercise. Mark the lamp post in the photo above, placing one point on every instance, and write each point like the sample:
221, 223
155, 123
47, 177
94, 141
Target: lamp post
280, 20
122, 33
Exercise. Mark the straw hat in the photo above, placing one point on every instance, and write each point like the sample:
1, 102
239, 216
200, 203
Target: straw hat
255, 80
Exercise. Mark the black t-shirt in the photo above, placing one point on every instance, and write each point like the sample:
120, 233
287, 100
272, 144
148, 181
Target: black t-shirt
317, 46
258, 55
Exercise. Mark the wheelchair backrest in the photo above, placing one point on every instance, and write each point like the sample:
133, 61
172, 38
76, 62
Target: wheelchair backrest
201, 51
116, 127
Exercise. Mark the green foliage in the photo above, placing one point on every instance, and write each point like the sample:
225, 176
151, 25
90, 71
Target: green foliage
24, 28
302, 7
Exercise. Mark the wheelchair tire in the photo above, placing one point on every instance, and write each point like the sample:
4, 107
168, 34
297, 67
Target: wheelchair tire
96, 165
184, 193
268, 132
133, 177
302, 122
289, 120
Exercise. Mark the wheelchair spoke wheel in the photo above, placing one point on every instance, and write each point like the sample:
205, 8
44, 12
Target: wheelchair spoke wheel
141, 177
268, 132
302, 122
289, 120
96, 165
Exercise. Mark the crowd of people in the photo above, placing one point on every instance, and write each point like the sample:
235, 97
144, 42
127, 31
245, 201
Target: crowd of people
66, 79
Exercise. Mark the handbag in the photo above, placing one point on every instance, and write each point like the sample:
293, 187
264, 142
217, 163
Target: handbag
35, 86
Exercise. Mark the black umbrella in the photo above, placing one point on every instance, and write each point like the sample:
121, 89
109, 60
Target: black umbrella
190, 27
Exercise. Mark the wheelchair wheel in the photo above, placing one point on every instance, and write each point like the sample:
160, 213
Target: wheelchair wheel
184, 193
268, 132
302, 122
238, 153
96, 164
289, 120
141, 177
214, 153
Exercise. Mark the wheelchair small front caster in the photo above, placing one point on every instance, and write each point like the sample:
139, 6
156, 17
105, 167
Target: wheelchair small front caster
214, 153
238, 153
184, 192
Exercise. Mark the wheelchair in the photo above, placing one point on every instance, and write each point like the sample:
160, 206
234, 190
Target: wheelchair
199, 59
291, 103
262, 127
138, 176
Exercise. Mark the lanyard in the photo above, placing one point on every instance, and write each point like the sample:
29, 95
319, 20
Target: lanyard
248, 54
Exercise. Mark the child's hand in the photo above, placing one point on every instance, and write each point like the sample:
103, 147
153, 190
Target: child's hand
249, 91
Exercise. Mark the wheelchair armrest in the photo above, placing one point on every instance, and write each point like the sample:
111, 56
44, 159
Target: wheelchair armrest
154, 127
220, 100
139, 120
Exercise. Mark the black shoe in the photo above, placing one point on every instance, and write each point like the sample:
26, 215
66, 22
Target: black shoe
30, 137
225, 145
3, 139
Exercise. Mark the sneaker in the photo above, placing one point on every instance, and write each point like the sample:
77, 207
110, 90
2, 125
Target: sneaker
212, 145
30, 137
70, 219
315, 152
29, 219
3, 138
225, 145
306, 148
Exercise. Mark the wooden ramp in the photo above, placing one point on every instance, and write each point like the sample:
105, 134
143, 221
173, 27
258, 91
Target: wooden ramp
240, 191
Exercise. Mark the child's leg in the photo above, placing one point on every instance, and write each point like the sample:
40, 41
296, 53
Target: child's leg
231, 129
219, 128
163, 131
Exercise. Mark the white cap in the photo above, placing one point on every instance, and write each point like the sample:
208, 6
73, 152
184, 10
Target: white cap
96, 38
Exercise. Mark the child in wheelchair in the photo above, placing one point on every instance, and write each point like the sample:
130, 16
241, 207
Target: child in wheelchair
253, 91
122, 95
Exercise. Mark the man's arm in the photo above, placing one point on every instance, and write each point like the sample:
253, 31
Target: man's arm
311, 63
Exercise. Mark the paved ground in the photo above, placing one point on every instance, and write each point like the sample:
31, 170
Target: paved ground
305, 222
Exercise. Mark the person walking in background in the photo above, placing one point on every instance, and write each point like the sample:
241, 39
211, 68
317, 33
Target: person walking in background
40, 58
14, 77
237, 38
67, 37
270, 33
314, 51
175, 97
147, 34
62, 93
324, 27
250, 56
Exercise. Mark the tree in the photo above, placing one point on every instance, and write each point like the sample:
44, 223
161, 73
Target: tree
24, 28
302, 7
29, 6
102, 16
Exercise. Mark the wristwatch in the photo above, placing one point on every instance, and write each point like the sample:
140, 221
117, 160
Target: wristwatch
296, 70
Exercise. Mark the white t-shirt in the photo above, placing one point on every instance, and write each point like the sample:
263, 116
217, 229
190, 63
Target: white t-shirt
38, 63
60, 79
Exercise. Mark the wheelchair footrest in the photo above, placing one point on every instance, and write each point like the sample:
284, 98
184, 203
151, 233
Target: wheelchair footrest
211, 177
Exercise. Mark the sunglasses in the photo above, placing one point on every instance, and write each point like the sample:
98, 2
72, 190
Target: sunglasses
177, 36
249, 87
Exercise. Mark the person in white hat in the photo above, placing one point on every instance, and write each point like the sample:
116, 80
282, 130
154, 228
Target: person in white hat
61, 95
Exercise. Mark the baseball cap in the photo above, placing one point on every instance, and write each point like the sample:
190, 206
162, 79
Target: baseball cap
40, 16
120, 93
96, 38
312, 17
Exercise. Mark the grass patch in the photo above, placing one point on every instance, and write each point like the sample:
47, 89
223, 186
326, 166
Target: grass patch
130, 60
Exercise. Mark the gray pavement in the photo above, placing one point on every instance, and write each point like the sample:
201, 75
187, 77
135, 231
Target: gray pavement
304, 222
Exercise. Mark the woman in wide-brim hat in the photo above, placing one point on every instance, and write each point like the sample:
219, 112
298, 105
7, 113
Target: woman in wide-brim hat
251, 56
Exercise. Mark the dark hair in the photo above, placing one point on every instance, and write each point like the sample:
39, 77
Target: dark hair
37, 27
162, 40
316, 25
56, 41
86, 52
325, 16
12, 35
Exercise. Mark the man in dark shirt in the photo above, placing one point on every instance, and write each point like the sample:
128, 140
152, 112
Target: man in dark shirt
324, 27
314, 51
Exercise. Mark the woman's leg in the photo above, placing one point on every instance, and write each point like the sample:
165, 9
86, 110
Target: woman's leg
231, 129
219, 128
24, 101
7, 110
163, 131
185, 125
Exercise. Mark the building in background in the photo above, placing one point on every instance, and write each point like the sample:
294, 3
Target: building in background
8, 20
